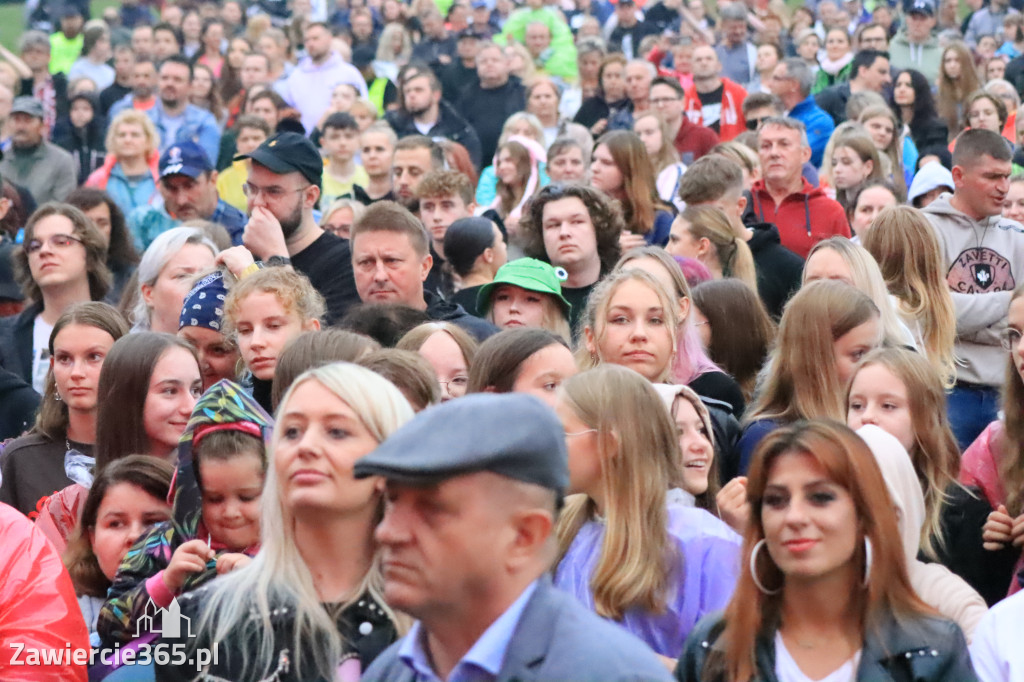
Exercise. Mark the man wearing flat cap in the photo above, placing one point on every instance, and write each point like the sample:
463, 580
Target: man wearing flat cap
283, 187
467, 541
41, 167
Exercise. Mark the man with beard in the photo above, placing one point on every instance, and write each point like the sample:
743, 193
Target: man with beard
285, 173
43, 168
415, 156
308, 88
175, 119
143, 89
424, 113
188, 191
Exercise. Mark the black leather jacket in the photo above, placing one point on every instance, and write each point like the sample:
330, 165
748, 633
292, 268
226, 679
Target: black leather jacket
921, 649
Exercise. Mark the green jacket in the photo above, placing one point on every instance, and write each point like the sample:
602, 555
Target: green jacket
560, 58
924, 649
925, 58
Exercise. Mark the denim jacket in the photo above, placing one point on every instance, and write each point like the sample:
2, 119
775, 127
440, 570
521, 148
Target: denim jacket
199, 126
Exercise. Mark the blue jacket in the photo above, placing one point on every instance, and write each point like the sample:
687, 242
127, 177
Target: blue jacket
199, 126
127, 194
819, 126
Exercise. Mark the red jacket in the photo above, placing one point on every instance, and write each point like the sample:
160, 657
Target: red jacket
694, 140
731, 122
804, 218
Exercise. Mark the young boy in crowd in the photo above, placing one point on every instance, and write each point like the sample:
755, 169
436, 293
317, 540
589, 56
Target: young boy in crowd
340, 143
228, 456
251, 131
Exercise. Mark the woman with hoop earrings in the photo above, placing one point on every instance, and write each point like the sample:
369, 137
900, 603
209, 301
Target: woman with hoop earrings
825, 593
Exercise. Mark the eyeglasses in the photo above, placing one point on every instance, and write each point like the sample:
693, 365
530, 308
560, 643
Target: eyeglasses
341, 230
580, 433
755, 123
57, 241
273, 193
1010, 338
457, 383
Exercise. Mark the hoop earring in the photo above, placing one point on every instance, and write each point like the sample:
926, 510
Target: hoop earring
753, 569
867, 561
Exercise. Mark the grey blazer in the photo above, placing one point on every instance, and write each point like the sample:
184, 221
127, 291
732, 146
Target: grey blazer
557, 640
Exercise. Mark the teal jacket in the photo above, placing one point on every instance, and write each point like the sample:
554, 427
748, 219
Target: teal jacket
922, 649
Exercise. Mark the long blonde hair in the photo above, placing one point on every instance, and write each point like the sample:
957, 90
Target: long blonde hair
734, 256
600, 300
903, 243
639, 459
868, 278
936, 455
894, 150
278, 576
802, 381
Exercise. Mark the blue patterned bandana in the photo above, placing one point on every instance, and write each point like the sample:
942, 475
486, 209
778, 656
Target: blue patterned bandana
204, 305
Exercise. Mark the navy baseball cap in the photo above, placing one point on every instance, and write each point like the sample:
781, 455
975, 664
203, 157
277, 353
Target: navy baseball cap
510, 434
184, 158
289, 153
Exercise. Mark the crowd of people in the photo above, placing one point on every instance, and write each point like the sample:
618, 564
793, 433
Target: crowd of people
468, 340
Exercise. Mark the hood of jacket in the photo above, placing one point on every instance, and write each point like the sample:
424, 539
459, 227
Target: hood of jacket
223, 406
903, 40
942, 207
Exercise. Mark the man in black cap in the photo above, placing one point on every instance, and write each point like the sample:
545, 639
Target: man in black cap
44, 169
467, 542
380, 90
283, 187
188, 189
461, 73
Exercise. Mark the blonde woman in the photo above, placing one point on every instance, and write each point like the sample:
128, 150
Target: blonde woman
705, 233
826, 329
840, 259
903, 243
341, 215
394, 48
129, 172
886, 132
310, 604
653, 567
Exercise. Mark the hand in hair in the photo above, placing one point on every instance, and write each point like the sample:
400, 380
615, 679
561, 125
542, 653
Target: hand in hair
1000, 528
236, 259
190, 558
229, 562
263, 235
732, 504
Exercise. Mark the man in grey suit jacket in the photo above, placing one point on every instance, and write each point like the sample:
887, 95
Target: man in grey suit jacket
474, 487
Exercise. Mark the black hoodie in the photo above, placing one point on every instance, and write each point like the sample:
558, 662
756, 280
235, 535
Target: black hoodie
779, 270
18, 404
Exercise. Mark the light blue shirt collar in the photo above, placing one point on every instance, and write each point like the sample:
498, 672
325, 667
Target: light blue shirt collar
484, 659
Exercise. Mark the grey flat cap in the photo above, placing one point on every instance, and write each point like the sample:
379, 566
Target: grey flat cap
510, 434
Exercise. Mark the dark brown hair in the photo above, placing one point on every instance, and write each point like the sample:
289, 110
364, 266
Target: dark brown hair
407, 370
151, 475
499, 360
120, 250
605, 216
123, 388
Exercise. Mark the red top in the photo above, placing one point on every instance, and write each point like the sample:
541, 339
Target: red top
804, 218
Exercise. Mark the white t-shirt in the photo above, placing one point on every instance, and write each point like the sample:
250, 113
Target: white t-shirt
995, 650
40, 353
786, 669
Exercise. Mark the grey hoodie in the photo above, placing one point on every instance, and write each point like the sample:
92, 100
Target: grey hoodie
985, 262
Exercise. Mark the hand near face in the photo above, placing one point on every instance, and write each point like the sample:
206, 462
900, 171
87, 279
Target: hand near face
190, 558
629, 240
733, 505
263, 235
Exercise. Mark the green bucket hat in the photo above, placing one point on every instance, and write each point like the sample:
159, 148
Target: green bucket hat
526, 273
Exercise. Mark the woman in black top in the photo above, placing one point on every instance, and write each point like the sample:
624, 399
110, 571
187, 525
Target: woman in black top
912, 101
596, 111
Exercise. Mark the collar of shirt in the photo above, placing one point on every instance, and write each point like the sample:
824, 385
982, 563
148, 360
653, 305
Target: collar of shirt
484, 659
